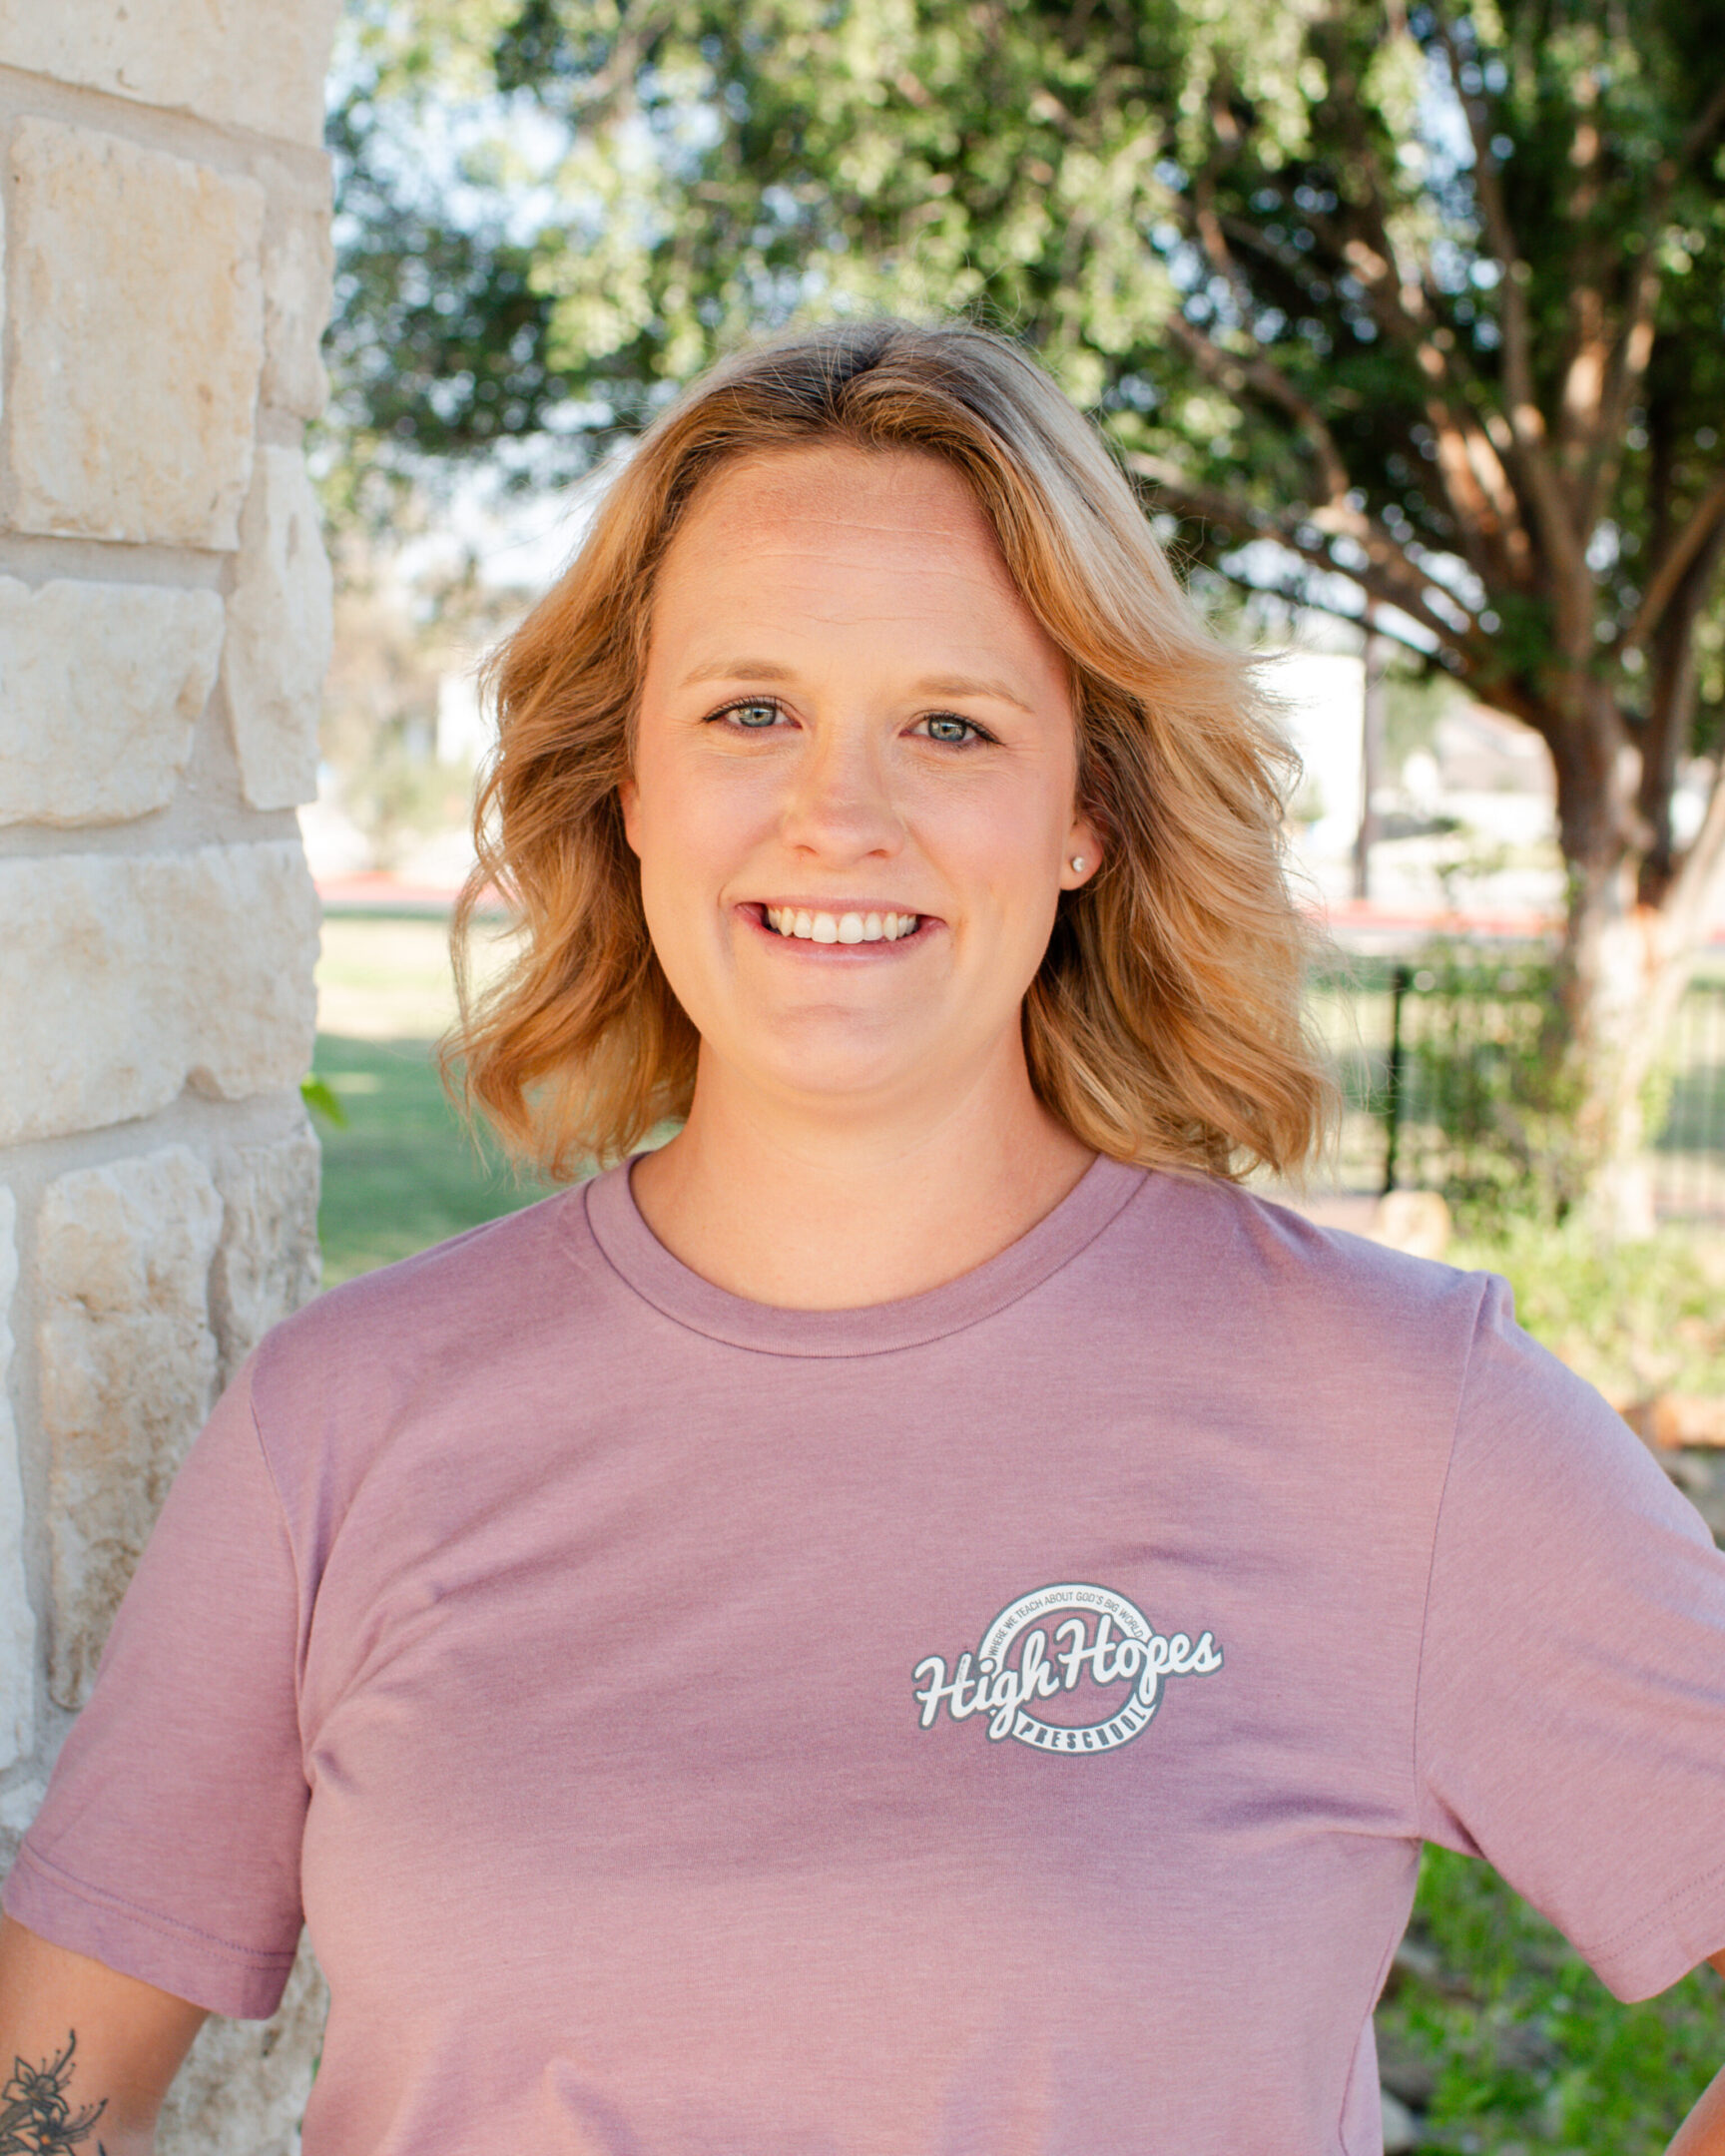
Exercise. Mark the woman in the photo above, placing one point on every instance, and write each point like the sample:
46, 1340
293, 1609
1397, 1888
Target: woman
919, 1616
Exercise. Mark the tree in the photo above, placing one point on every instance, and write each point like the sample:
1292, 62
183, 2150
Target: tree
1419, 305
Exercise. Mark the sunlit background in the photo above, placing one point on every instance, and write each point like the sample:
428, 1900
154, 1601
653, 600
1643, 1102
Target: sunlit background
1407, 324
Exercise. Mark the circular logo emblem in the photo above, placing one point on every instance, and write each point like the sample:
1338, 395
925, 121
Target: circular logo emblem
1075, 1644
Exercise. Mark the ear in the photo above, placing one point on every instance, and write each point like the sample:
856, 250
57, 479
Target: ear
1083, 843
629, 801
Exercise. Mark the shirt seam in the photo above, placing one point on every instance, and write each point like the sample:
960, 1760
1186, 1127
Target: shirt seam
103, 1901
303, 1609
860, 1353
1378, 1979
1672, 1904
1414, 1745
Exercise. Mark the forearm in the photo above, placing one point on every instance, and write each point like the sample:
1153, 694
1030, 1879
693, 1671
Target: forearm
92, 2052
1702, 2133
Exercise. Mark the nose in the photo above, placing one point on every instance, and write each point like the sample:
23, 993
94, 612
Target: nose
840, 807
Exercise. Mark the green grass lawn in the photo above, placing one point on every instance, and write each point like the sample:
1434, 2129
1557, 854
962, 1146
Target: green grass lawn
403, 1173
1500, 2038
1506, 2043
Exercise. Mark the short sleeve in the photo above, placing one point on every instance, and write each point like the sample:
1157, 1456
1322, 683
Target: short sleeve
167, 1845
1570, 1721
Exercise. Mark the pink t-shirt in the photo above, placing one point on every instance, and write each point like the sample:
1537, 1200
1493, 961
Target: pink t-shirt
1003, 1720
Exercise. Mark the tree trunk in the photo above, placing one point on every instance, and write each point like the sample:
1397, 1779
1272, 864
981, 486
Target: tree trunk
1616, 976
1622, 970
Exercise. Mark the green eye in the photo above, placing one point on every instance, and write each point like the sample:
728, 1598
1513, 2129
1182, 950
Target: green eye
755, 715
949, 728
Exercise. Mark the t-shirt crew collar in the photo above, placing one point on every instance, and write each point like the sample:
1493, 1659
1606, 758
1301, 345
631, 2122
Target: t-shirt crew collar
629, 1246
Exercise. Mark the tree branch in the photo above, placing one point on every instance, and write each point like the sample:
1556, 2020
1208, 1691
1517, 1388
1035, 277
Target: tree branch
1687, 906
1703, 519
1235, 370
1635, 343
1625, 369
1482, 502
1395, 582
1526, 420
1482, 498
1706, 120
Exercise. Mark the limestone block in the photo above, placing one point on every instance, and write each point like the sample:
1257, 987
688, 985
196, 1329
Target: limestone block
278, 635
137, 341
267, 1262
101, 686
128, 1372
256, 64
125, 976
243, 2088
17, 1619
298, 273
18, 1808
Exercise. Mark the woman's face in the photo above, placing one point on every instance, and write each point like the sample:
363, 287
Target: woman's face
854, 788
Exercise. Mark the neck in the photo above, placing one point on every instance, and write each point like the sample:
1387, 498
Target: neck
788, 1203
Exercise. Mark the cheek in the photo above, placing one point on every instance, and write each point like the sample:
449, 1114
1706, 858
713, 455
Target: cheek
693, 830
666, 810
696, 833
1008, 845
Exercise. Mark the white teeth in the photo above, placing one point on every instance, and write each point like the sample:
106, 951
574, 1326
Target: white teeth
840, 927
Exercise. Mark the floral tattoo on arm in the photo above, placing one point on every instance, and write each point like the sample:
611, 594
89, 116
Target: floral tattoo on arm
35, 2118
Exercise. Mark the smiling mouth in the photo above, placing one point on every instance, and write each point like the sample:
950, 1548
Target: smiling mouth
808, 924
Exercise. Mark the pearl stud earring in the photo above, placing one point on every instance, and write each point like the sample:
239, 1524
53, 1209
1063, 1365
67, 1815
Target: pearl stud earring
1077, 865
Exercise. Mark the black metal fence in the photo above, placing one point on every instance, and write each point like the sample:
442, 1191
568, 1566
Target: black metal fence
1444, 1066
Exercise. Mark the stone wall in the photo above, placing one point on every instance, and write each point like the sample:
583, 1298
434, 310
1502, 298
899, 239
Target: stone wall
164, 631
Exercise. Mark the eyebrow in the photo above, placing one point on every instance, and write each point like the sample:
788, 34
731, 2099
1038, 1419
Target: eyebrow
944, 684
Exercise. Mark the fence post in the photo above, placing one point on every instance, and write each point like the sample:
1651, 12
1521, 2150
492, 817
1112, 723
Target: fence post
1400, 982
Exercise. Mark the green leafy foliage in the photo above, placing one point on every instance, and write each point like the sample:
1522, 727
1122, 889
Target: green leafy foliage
1633, 1319
1455, 1053
1413, 305
1252, 237
1512, 2046
1487, 1096
322, 1101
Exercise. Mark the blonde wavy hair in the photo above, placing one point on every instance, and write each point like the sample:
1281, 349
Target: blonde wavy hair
1164, 1025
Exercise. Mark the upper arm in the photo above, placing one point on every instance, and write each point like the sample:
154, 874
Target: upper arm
168, 1842
126, 2038
1571, 1690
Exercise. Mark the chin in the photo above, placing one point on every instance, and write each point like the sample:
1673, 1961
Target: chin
809, 1060
835, 1080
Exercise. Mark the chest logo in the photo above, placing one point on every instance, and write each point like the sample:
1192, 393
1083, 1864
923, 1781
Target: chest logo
1075, 1644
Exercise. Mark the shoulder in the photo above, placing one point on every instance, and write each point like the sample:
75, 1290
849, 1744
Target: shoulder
444, 1319
1254, 1262
1414, 1346
491, 1263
